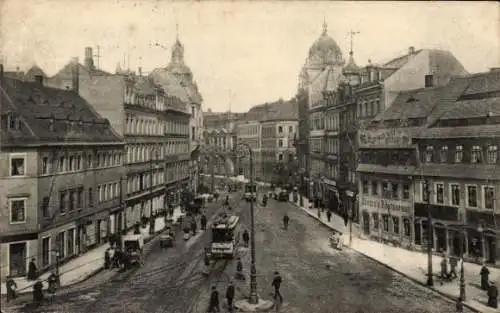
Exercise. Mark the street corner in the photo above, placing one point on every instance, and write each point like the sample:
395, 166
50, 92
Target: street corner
262, 305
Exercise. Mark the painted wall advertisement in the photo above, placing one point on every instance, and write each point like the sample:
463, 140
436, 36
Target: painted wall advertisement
376, 204
384, 137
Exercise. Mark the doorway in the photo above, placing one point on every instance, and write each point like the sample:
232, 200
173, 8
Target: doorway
491, 249
366, 223
17, 258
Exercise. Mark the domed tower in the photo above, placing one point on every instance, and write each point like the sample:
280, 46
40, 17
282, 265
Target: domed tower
351, 71
324, 51
177, 67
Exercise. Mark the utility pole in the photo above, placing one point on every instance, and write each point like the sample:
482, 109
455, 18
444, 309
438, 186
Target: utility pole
254, 298
430, 237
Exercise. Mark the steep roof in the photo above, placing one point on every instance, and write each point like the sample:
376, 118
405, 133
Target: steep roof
50, 115
171, 85
483, 83
144, 85
279, 110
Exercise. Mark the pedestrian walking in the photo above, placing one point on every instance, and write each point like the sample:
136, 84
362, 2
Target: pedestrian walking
246, 237
453, 267
444, 268
203, 222
32, 275
329, 215
11, 289
277, 284
485, 273
38, 293
107, 259
194, 226
239, 270
230, 296
286, 219
493, 295
214, 306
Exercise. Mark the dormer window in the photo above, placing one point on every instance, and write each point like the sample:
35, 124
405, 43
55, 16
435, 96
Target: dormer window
14, 122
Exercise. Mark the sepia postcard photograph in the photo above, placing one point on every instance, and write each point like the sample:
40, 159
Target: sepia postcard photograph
168, 156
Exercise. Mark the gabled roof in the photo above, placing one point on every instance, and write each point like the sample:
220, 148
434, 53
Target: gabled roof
400, 61
39, 107
473, 108
483, 83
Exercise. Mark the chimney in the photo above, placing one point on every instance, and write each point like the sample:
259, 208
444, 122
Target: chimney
411, 50
39, 79
76, 76
140, 71
89, 59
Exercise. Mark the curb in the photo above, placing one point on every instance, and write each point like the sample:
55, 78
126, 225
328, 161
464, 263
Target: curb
447, 296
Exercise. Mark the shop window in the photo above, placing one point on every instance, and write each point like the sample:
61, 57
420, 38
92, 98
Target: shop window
385, 222
439, 193
455, 194
374, 188
472, 196
375, 220
406, 227
395, 224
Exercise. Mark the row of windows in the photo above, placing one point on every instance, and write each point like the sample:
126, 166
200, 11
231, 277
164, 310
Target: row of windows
70, 200
248, 130
65, 163
153, 127
145, 153
316, 121
332, 146
316, 144
108, 191
455, 194
476, 154
142, 181
332, 171
333, 121
386, 189
368, 108
392, 224
152, 101
317, 168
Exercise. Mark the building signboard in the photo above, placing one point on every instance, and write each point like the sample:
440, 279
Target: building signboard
375, 204
384, 137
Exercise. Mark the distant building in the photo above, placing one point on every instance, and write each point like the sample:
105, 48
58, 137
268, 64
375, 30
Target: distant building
34, 74
62, 179
249, 132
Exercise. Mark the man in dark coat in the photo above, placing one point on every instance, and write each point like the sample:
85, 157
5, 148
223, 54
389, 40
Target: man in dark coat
214, 301
329, 215
11, 289
32, 275
246, 237
277, 284
493, 295
485, 273
230, 296
203, 222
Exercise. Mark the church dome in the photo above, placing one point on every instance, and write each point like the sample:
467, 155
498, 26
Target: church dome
325, 50
351, 67
178, 68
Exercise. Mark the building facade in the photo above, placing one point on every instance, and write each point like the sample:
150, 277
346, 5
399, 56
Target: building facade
156, 139
457, 179
249, 132
62, 176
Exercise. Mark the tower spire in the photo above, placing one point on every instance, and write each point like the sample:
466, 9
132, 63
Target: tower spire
325, 26
177, 31
352, 34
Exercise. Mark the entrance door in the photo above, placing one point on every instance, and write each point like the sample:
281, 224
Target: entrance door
98, 231
366, 223
491, 249
418, 234
17, 259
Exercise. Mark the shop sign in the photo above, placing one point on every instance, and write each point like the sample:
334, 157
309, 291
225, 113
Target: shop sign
329, 182
386, 204
384, 137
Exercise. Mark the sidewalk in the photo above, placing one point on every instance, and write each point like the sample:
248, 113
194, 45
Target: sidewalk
85, 265
413, 264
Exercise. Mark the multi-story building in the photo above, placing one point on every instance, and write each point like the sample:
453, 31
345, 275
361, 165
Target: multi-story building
178, 80
157, 140
457, 180
318, 81
62, 177
249, 132
278, 131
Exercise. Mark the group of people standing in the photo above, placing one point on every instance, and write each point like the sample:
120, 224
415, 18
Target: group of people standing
214, 305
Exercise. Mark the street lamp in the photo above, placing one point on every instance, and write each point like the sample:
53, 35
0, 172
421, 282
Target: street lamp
254, 298
430, 237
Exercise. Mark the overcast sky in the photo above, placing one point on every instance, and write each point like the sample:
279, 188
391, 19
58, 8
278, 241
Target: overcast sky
246, 53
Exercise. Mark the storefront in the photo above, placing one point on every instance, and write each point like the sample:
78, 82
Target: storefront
16, 252
386, 219
330, 195
444, 220
482, 241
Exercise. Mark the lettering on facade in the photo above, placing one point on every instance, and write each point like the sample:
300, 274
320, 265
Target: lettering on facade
384, 137
387, 205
